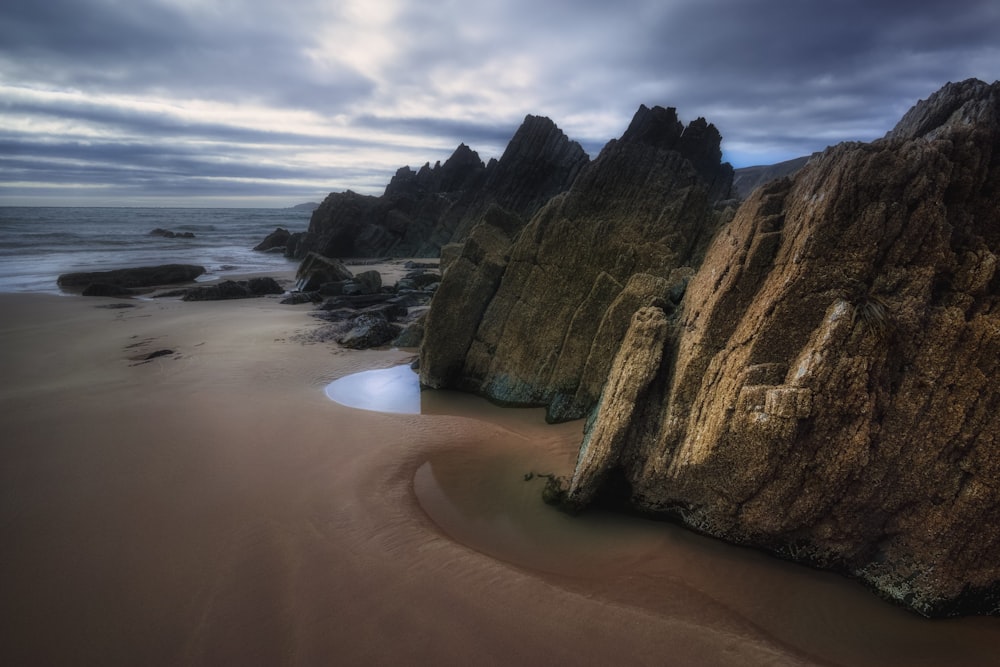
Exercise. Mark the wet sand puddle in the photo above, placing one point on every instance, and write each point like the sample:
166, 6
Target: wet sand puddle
490, 501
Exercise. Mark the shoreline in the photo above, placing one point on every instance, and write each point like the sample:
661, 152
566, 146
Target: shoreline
212, 506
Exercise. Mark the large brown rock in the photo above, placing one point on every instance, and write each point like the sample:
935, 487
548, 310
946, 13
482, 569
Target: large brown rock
537, 318
830, 392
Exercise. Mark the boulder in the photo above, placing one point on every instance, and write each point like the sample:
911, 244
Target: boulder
370, 329
316, 270
369, 282
232, 289
143, 276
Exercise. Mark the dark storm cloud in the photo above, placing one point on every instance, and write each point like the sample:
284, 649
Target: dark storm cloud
164, 95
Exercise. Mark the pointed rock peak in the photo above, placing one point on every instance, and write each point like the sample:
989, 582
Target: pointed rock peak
657, 127
464, 155
701, 142
962, 103
538, 135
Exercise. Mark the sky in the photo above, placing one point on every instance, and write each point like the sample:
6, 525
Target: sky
268, 103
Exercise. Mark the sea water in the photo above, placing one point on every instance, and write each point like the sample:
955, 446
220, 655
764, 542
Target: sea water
37, 244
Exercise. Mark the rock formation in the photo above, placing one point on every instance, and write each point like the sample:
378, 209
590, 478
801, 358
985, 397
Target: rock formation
423, 210
142, 276
828, 389
534, 316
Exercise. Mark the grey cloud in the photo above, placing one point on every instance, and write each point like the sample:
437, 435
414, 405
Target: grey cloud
779, 79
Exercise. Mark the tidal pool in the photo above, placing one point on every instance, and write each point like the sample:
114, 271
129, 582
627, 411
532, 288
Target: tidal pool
395, 389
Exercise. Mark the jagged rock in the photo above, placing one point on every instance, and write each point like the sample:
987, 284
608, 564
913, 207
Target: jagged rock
166, 233
830, 391
423, 210
461, 301
369, 282
316, 270
232, 289
276, 239
526, 320
635, 365
143, 276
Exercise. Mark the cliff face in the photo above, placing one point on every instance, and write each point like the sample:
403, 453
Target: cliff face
534, 317
423, 210
829, 389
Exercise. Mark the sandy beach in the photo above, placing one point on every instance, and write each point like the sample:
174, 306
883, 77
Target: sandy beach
209, 505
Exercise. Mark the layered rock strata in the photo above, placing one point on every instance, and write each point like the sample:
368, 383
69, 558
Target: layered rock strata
829, 389
534, 316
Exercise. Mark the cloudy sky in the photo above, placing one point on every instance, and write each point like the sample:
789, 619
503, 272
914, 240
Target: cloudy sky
261, 102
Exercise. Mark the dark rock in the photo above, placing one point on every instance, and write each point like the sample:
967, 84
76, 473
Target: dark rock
263, 285
144, 276
412, 334
335, 288
296, 298
356, 301
166, 233
410, 264
423, 210
275, 240
231, 289
420, 279
370, 282
368, 330
316, 270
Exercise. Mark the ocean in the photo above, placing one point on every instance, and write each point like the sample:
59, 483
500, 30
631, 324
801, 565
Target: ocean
37, 244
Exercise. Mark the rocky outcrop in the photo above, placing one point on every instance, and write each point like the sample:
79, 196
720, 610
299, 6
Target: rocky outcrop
828, 390
423, 210
234, 289
143, 276
534, 316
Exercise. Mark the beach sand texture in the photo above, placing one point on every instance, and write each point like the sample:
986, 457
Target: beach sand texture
210, 506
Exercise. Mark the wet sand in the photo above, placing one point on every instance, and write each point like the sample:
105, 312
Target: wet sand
213, 506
